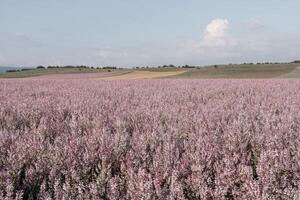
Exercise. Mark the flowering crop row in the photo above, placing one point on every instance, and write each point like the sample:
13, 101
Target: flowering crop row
149, 139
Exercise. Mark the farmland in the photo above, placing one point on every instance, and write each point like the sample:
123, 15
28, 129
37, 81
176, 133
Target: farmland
248, 71
56, 71
232, 71
82, 137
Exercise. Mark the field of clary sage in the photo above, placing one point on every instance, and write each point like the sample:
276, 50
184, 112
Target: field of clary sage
149, 139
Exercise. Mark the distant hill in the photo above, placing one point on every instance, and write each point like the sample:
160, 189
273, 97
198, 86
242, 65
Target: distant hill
4, 69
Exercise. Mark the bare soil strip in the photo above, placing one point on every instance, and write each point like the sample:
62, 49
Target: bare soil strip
136, 75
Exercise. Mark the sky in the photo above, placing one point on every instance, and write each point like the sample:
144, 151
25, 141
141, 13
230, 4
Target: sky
148, 33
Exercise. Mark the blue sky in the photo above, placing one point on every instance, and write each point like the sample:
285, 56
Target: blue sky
140, 32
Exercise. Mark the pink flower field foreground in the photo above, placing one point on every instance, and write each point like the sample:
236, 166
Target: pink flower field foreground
149, 139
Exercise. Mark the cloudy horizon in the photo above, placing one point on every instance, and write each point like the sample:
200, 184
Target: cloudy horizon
143, 33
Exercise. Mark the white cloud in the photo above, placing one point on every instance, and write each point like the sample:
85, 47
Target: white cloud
111, 53
218, 46
215, 44
254, 24
216, 36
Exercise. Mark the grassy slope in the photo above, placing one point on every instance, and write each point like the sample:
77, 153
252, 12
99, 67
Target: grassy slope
293, 74
241, 71
40, 72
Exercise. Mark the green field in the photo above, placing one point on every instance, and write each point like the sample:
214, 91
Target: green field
41, 72
291, 70
243, 71
293, 74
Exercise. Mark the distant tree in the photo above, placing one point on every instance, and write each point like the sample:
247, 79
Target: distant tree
11, 70
188, 66
26, 69
40, 67
68, 66
82, 66
296, 61
216, 66
109, 67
